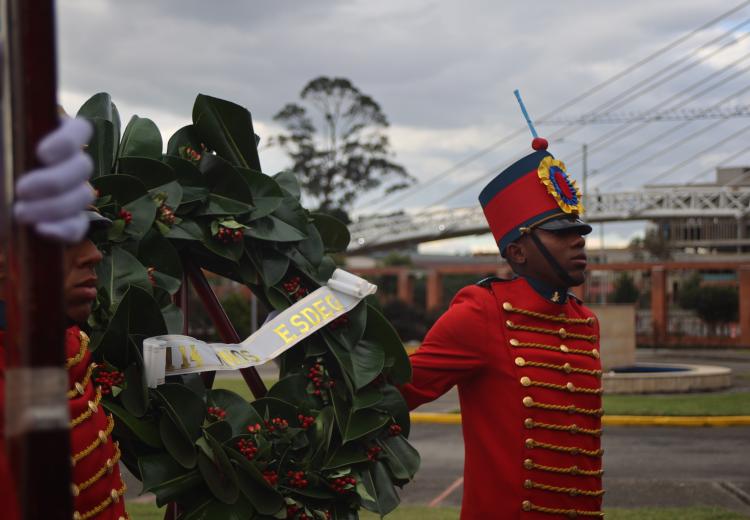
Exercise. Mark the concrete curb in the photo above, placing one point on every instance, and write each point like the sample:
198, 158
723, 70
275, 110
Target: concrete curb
612, 420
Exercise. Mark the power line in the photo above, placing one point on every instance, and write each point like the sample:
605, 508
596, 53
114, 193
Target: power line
667, 132
628, 129
692, 114
419, 187
687, 161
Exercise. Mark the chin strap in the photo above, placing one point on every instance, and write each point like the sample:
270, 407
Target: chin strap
564, 276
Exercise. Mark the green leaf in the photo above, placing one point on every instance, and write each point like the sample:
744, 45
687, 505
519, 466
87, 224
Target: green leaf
289, 183
366, 398
264, 498
231, 251
177, 443
227, 128
144, 430
185, 136
122, 188
173, 318
217, 470
151, 172
135, 394
156, 251
166, 478
312, 247
273, 265
378, 485
141, 139
267, 194
184, 407
274, 229
186, 230
118, 271
321, 436
380, 335
220, 205
362, 422
240, 413
105, 118
101, 147
393, 403
223, 179
334, 233
292, 389
401, 457
347, 455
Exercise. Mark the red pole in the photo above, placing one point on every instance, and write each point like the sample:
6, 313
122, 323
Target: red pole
36, 380
223, 326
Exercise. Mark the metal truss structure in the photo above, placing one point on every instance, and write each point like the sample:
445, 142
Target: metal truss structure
400, 229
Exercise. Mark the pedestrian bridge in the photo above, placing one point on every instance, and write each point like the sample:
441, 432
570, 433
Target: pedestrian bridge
384, 231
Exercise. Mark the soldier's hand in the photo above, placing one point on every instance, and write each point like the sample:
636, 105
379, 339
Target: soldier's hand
52, 198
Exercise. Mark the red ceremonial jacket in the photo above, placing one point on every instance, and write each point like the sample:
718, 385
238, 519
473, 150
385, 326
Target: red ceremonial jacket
97, 487
529, 382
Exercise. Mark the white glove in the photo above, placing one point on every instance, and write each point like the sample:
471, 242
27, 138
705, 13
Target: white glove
52, 198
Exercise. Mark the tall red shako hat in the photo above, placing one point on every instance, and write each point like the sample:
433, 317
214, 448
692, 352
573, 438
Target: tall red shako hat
533, 192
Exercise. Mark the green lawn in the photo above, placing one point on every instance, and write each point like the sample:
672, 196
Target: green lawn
150, 512
679, 404
238, 385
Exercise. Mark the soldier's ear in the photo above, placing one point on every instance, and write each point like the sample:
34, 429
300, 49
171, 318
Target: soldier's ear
515, 253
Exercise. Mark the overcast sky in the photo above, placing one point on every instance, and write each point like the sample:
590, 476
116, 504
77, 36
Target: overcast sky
443, 72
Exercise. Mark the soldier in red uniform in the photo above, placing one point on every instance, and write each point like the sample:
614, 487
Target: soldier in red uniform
52, 199
524, 355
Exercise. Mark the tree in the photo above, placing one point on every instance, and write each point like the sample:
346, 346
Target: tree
714, 304
337, 143
625, 290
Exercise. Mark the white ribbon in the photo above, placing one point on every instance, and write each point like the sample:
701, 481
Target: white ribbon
174, 354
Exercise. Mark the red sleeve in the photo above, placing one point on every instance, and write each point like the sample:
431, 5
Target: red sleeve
455, 348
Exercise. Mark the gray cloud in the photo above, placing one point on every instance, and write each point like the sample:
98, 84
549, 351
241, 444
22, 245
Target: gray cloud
443, 67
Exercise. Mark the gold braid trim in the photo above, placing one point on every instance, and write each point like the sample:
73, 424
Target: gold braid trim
107, 468
92, 409
562, 348
549, 317
80, 386
72, 361
529, 402
570, 513
529, 423
103, 434
114, 496
570, 470
561, 332
568, 387
574, 492
566, 367
572, 450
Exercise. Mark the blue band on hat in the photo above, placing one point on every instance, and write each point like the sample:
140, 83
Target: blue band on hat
511, 175
515, 233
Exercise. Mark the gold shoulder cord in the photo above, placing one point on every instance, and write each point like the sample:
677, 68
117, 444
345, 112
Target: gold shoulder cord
573, 492
594, 353
566, 367
93, 407
80, 386
114, 496
572, 450
549, 317
72, 361
100, 439
561, 332
570, 513
104, 470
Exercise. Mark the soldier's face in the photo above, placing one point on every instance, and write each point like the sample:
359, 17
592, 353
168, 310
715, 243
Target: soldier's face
80, 260
567, 247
